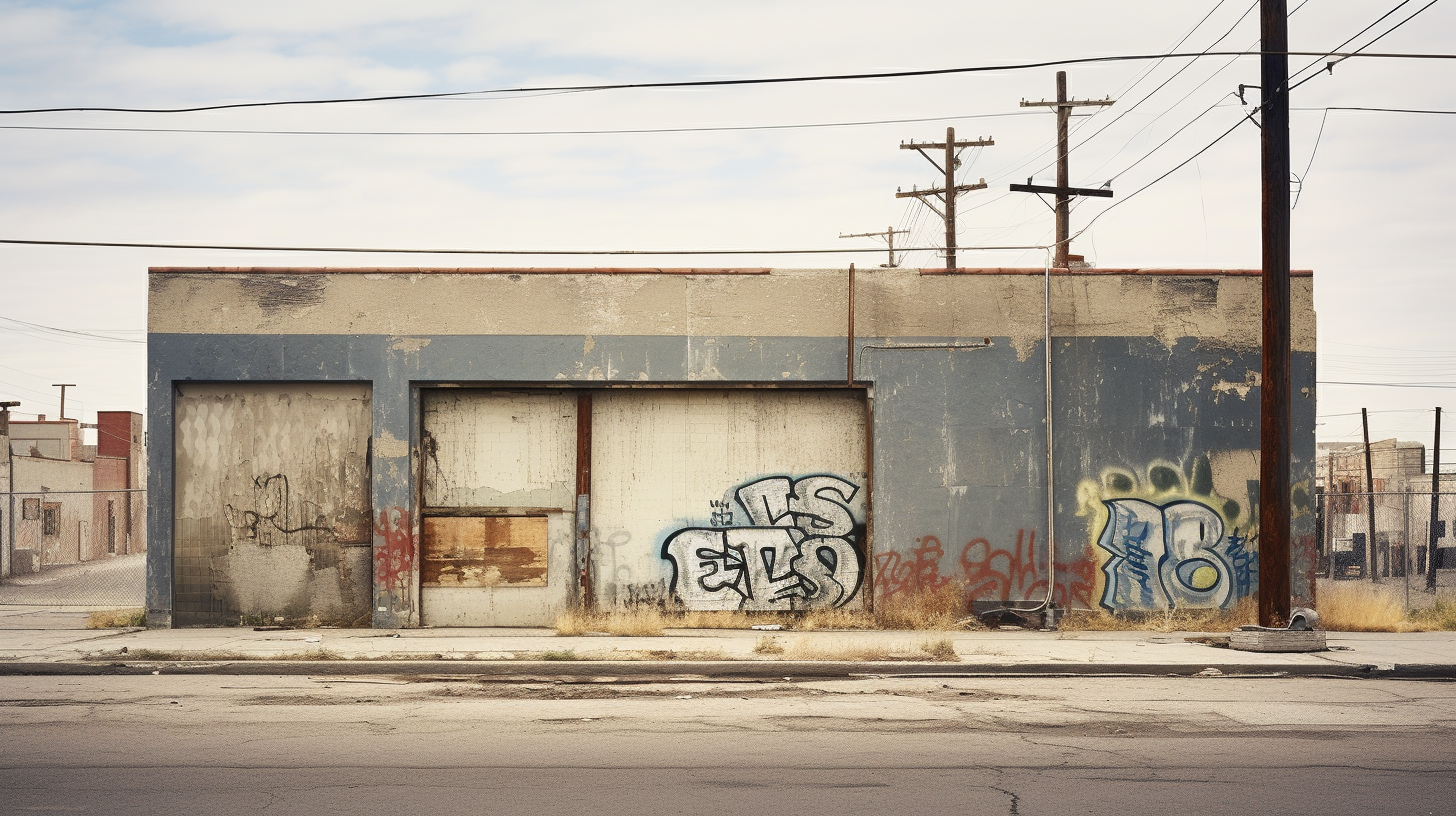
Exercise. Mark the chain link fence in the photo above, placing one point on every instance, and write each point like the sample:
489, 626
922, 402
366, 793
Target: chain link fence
81, 549
1385, 540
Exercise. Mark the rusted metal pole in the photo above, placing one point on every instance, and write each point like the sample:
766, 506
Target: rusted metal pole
950, 197
1274, 498
849, 333
1064, 174
583, 497
1431, 546
1371, 562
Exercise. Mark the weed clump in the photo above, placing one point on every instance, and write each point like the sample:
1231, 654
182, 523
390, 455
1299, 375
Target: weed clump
117, 619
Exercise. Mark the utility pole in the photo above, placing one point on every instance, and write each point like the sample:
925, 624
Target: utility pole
1063, 191
1431, 545
1274, 499
63, 387
888, 235
949, 192
1370, 560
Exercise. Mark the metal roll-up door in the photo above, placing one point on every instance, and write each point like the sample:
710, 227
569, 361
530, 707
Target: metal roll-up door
748, 499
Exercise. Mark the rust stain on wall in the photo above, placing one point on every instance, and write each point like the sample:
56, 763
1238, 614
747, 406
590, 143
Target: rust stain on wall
485, 551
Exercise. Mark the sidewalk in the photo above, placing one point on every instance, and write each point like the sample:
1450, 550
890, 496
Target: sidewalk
41, 642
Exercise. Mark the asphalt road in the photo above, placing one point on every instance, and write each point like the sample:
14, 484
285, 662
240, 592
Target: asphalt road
967, 746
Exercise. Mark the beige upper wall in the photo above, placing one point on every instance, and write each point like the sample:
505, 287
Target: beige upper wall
1223, 308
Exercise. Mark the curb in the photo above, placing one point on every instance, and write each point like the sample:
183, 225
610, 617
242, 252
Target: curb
604, 671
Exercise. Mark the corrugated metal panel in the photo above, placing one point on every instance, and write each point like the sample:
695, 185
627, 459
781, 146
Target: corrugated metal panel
272, 510
500, 493
729, 499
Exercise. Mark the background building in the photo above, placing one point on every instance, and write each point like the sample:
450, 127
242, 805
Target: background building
487, 447
69, 503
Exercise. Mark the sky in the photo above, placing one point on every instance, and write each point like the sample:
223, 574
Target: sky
728, 168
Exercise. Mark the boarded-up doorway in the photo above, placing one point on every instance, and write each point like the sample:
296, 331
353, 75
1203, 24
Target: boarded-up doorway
499, 499
272, 510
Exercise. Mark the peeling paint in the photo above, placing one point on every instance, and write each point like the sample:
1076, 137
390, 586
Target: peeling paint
1252, 379
409, 345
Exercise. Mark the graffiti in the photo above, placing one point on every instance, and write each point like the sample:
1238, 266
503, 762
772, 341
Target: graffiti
797, 551
273, 513
722, 513
1169, 542
985, 572
394, 552
896, 574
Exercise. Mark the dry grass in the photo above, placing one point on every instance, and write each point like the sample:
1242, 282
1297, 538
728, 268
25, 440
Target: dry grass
941, 649
117, 619
936, 609
768, 646
1439, 618
1362, 608
1171, 620
637, 621
941, 609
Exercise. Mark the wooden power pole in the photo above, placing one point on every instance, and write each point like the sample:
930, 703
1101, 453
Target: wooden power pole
63, 387
948, 193
1274, 436
1063, 191
889, 235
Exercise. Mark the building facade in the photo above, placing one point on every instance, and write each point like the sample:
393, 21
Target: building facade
405, 447
69, 503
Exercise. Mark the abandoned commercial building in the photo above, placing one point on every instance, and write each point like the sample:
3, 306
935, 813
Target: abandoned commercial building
478, 447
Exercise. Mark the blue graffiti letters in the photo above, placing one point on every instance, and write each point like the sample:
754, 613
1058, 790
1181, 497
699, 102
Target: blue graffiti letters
1170, 556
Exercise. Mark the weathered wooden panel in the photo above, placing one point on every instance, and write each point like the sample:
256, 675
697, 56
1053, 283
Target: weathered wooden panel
729, 499
272, 510
484, 551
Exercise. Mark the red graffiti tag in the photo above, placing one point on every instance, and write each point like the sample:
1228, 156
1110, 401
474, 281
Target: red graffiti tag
987, 573
895, 574
394, 559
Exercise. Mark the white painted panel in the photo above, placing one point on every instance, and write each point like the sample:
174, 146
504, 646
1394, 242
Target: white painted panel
730, 485
495, 450
499, 449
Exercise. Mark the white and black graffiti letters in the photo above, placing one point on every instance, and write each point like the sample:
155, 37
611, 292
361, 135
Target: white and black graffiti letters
818, 505
798, 551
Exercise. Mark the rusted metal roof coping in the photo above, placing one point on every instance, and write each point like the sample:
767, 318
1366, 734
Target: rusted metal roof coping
411, 270
1299, 273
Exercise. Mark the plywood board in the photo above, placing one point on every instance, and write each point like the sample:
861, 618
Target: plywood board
485, 551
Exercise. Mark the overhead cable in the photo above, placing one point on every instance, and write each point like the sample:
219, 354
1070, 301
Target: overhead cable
710, 83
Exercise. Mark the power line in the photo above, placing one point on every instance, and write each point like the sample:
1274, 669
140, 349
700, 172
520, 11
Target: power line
710, 129
91, 335
709, 83
396, 250
1381, 110
1389, 385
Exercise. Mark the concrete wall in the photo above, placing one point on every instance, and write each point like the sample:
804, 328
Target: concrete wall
72, 540
1155, 395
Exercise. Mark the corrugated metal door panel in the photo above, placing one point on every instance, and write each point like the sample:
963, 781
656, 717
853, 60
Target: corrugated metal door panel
499, 487
272, 510
731, 499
